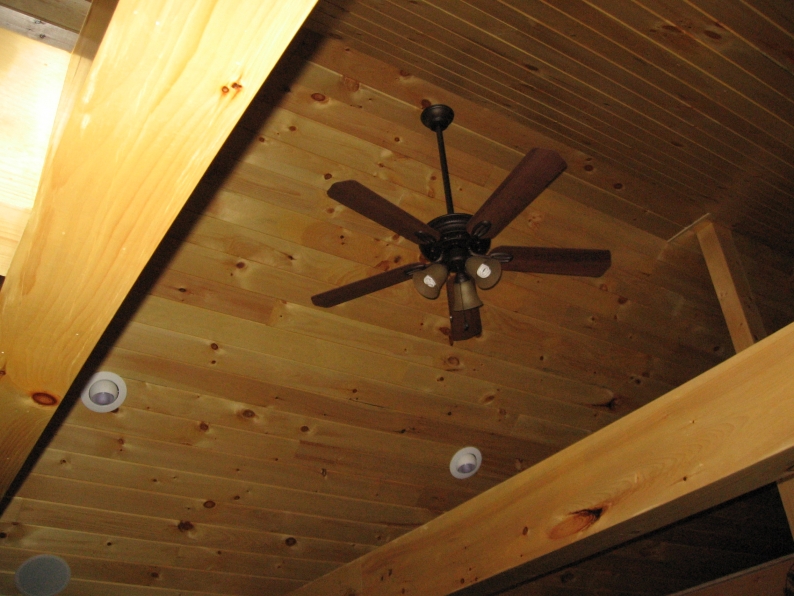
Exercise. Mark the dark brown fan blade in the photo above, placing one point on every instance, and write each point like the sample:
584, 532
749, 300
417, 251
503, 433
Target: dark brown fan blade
530, 177
563, 261
359, 198
365, 286
463, 324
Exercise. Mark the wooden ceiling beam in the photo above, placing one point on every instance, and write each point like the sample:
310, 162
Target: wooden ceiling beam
731, 284
139, 123
718, 436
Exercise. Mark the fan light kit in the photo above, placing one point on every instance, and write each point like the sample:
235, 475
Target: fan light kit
104, 392
42, 575
465, 462
458, 243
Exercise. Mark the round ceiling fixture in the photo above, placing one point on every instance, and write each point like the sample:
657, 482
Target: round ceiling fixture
104, 392
42, 575
465, 462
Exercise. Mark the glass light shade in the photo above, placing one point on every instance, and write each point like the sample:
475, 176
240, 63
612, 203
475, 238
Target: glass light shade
485, 271
429, 281
465, 294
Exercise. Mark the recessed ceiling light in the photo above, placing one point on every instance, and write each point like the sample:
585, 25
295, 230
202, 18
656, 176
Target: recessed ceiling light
465, 462
42, 575
104, 392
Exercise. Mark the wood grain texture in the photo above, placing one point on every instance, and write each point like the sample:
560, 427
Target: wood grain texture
616, 495
731, 284
769, 578
68, 14
263, 437
31, 78
72, 200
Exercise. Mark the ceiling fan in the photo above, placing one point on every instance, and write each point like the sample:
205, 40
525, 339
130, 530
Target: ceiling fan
458, 243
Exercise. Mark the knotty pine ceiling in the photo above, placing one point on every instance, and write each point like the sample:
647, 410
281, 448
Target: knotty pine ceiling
266, 441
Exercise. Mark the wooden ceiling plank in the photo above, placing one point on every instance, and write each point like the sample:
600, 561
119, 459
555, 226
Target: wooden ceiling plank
132, 521
226, 515
559, 124
424, 450
450, 47
544, 21
640, 21
366, 461
437, 407
386, 80
607, 505
519, 333
585, 104
158, 576
730, 282
268, 156
69, 14
742, 68
641, 76
780, 15
524, 341
106, 546
642, 172
222, 490
767, 578
163, 153
446, 433
268, 473
166, 530
186, 258
96, 588
229, 331
295, 297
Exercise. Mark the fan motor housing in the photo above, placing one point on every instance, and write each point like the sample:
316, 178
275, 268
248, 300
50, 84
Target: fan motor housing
456, 244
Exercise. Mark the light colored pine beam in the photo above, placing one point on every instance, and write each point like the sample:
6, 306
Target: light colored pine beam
739, 309
31, 79
720, 435
137, 127
769, 578
731, 284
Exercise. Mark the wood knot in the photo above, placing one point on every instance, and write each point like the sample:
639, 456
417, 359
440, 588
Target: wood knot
185, 526
248, 414
44, 399
579, 521
350, 84
290, 541
426, 103
318, 97
209, 504
204, 426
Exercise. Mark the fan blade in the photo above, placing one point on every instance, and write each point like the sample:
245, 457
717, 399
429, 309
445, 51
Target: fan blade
463, 324
563, 261
366, 286
530, 177
359, 198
